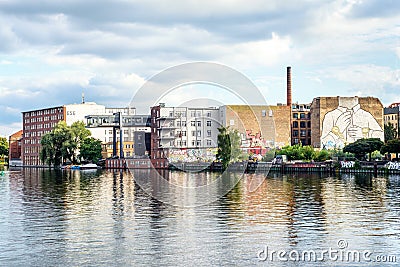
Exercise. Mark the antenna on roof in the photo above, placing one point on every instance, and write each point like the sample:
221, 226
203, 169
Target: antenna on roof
83, 98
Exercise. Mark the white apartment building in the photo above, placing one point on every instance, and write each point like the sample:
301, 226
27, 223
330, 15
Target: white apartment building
187, 127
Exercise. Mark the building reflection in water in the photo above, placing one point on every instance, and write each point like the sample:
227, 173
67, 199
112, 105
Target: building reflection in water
114, 217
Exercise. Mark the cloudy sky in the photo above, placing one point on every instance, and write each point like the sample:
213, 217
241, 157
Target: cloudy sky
51, 51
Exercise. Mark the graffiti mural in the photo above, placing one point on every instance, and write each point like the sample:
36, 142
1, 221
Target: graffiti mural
254, 143
192, 155
348, 123
393, 165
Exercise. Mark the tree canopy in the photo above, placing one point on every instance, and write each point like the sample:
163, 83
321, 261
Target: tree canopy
64, 142
228, 146
392, 146
90, 149
363, 146
390, 132
3, 146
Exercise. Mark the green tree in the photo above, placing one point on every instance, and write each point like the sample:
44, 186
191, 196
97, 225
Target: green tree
47, 153
363, 146
78, 134
390, 132
3, 146
228, 146
55, 145
392, 146
90, 149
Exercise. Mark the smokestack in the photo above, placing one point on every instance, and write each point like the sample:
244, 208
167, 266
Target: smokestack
289, 86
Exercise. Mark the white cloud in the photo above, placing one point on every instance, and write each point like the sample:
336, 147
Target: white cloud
51, 52
9, 129
370, 80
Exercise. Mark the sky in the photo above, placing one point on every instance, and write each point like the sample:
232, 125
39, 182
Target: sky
52, 51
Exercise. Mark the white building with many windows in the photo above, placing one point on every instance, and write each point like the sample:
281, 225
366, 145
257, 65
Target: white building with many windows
183, 133
184, 127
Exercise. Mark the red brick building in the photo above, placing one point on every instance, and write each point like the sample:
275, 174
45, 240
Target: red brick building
15, 142
37, 123
158, 154
301, 124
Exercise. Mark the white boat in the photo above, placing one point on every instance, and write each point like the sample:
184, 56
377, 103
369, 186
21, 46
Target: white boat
88, 166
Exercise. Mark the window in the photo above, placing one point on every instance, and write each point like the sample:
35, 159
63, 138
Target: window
303, 133
110, 131
198, 123
193, 113
181, 133
126, 131
208, 123
302, 124
193, 133
208, 142
263, 113
193, 123
171, 113
295, 115
309, 124
208, 133
199, 133
198, 143
193, 142
209, 114
232, 122
295, 124
171, 143
295, 132
302, 115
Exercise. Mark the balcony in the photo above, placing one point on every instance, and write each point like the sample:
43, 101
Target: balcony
166, 118
167, 127
165, 137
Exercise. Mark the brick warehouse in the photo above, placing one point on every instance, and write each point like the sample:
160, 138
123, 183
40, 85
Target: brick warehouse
260, 127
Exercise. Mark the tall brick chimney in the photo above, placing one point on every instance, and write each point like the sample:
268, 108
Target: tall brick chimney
289, 86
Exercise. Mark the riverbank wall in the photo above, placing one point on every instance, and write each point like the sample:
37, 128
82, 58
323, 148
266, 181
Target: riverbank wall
329, 167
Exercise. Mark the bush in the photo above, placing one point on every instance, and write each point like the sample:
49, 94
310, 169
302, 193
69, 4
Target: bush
322, 155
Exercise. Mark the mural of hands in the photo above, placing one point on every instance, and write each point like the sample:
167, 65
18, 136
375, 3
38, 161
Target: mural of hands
344, 120
355, 132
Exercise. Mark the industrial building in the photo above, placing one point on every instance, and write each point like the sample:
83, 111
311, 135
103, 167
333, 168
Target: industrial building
37, 123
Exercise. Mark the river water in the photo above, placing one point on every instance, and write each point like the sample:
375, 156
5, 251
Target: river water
105, 218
